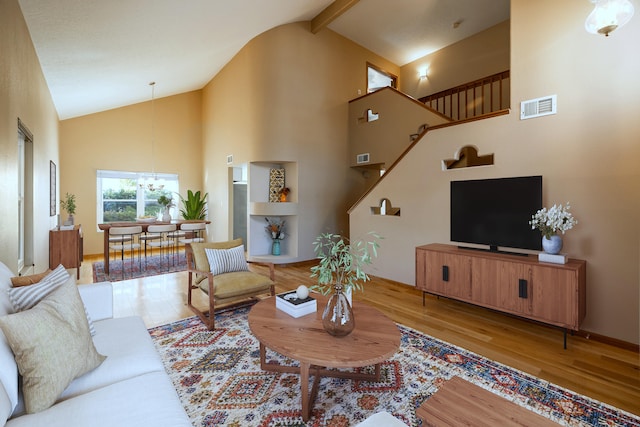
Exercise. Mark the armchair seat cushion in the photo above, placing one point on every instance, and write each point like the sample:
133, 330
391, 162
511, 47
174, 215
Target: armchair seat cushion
236, 284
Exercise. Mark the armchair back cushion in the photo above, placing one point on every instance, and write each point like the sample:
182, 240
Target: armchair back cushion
200, 256
226, 260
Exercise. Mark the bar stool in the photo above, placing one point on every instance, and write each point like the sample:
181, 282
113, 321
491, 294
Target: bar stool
124, 238
162, 238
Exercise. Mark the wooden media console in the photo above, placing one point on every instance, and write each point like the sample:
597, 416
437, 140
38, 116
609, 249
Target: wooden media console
554, 294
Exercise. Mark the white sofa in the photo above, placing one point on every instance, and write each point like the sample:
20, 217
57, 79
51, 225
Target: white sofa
130, 388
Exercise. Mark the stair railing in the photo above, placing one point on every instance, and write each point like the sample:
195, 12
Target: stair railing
475, 98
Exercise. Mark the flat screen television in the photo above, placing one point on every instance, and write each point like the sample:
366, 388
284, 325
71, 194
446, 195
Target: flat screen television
496, 212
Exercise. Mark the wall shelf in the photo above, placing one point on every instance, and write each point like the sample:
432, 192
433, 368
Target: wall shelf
258, 241
273, 209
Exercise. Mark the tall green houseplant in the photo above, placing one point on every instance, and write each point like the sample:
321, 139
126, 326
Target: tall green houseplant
194, 206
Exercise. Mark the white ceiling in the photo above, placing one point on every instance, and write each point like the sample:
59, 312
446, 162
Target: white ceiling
98, 55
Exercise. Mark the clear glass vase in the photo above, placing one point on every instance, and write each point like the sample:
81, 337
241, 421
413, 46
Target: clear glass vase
337, 318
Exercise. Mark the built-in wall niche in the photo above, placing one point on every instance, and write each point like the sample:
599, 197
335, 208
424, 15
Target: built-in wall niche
466, 157
261, 206
368, 116
385, 208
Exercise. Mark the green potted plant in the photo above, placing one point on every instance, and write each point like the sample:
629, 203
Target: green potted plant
69, 205
194, 206
341, 268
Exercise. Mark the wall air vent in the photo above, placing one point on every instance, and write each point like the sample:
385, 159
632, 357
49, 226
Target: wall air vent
362, 158
538, 107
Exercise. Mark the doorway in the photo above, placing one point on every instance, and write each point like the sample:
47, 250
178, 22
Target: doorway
25, 256
239, 204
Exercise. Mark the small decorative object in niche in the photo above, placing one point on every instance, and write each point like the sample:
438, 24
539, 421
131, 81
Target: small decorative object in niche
276, 184
275, 230
466, 157
283, 193
52, 189
385, 208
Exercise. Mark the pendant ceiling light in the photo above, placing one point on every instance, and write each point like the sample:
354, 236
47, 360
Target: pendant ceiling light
153, 185
608, 15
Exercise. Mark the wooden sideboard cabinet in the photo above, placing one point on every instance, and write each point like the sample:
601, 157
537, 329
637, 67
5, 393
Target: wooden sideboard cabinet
554, 294
65, 247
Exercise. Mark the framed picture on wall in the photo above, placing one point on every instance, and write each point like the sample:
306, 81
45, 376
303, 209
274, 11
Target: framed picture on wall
52, 188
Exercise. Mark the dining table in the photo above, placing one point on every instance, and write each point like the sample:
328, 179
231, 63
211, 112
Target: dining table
144, 224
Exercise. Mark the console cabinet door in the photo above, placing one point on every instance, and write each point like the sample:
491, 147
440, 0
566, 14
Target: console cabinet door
555, 296
514, 290
448, 275
485, 279
502, 285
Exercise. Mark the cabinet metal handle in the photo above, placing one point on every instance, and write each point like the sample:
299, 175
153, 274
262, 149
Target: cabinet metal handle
445, 273
522, 288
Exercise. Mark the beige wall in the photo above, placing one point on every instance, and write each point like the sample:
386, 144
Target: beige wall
475, 57
284, 97
587, 154
24, 94
386, 138
120, 139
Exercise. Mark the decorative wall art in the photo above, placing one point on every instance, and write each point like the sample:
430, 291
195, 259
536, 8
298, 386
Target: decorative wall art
276, 183
52, 189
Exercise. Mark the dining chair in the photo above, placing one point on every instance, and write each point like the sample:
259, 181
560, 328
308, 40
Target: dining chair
161, 237
192, 232
125, 239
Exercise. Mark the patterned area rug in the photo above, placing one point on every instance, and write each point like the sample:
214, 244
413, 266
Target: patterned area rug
153, 266
218, 378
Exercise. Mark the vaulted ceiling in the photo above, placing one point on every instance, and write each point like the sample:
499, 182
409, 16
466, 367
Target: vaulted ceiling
97, 55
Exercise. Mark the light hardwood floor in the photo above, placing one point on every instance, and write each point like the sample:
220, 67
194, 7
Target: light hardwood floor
607, 373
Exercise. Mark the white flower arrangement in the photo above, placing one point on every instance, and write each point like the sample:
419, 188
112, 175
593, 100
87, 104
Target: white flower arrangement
550, 221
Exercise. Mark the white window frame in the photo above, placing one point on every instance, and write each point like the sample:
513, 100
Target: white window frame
142, 179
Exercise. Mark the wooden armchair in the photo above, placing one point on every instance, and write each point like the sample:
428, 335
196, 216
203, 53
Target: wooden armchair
223, 286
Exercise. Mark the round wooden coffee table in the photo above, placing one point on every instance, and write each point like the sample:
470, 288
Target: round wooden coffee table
374, 339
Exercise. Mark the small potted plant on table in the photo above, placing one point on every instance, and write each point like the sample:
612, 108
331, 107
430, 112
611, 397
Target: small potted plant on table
341, 270
166, 203
69, 205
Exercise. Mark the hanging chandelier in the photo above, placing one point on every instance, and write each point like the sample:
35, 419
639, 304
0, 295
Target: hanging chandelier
608, 15
152, 184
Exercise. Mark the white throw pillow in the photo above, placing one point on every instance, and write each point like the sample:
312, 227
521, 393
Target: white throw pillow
8, 367
226, 260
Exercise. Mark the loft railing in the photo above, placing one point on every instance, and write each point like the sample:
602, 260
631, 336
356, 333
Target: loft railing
472, 99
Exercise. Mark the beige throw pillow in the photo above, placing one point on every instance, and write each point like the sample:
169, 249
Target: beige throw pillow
52, 346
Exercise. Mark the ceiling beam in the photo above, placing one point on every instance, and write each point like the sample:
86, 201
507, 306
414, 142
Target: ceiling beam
331, 12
